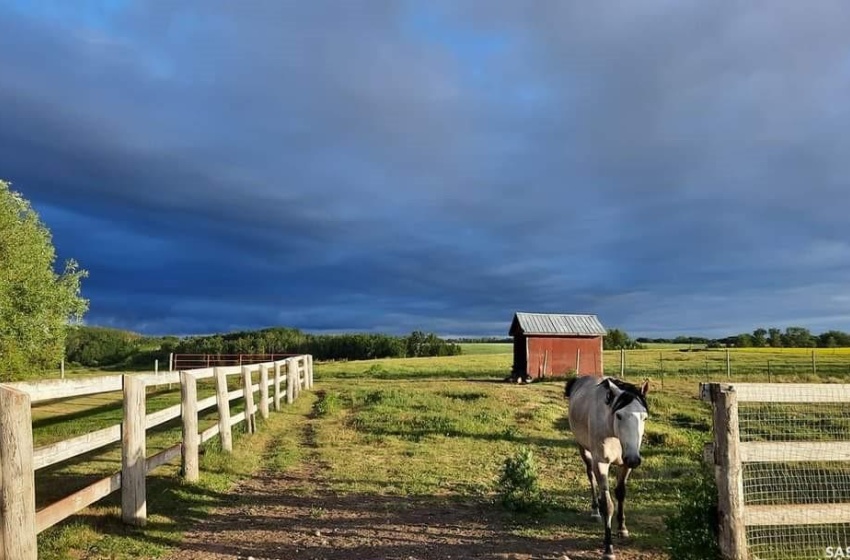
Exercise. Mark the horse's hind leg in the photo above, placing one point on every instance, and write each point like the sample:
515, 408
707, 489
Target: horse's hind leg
588, 463
620, 493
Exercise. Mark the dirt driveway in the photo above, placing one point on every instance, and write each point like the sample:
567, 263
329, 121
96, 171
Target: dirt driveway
292, 516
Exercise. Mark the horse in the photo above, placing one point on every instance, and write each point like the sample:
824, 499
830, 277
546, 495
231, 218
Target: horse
607, 418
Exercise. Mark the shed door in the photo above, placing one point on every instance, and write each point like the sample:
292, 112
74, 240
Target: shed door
520, 359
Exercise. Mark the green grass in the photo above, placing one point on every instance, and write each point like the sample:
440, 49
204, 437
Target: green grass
449, 438
471, 348
439, 428
700, 365
670, 346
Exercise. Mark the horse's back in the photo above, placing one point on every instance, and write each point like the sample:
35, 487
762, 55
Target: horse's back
579, 391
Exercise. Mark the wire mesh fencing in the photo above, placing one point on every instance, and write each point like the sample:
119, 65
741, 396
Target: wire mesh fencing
792, 447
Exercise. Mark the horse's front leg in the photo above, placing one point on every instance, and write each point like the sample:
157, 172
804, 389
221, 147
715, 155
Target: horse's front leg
588, 463
606, 505
620, 494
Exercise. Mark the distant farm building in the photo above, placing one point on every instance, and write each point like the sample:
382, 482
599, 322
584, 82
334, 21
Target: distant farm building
548, 344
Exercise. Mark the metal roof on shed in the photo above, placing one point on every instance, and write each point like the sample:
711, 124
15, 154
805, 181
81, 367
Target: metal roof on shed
557, 324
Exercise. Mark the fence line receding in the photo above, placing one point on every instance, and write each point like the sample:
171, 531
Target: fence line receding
19, 460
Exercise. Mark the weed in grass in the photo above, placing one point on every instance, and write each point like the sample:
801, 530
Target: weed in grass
693, 528
327, 403
510, 433
468, 397
375, 370
318, 512
519, 488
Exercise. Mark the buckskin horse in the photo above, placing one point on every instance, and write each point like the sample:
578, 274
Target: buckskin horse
607, 418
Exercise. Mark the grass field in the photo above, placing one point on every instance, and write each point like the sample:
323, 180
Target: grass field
420, 427
472, 348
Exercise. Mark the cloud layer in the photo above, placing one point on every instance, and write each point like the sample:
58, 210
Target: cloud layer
671, 166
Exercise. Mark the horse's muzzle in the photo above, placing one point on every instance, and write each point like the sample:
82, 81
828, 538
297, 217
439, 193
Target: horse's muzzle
632, 462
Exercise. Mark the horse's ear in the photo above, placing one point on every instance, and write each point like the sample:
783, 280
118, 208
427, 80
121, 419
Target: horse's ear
644, 389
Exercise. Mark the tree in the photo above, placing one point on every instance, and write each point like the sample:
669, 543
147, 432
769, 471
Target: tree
617, 339
759, 337
36, 303
744, 340
774, 338
798, 337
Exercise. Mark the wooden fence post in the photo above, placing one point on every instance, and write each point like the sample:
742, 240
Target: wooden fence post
264, 391
310, 371
578, 360
133, 453
171, 361
299, 379
730, 481
728, 365
17, 477
223, 403
291, 375
814, 364
191, 437
249, 400
661, 365
622, 363
277, 386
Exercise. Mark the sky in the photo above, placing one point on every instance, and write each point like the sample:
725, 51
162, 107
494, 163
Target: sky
674, 167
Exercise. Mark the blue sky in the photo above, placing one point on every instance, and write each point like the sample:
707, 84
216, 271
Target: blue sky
674, 167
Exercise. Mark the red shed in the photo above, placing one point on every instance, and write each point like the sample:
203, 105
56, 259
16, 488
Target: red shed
548, 344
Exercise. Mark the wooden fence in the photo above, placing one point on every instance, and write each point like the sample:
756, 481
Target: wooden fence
20, 523
731, 456
192, 361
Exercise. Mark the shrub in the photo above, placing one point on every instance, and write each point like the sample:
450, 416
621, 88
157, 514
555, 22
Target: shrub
692, 531
518, 484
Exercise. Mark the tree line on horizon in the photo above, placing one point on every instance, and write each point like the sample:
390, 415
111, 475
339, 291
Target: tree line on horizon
91, 346
791, 337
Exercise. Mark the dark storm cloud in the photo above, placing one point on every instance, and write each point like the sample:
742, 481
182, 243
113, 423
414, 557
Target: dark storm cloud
673, 167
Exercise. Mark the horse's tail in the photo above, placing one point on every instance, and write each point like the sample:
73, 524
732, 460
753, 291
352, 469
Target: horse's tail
569, 388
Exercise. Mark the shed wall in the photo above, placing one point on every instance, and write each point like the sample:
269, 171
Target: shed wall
558, 355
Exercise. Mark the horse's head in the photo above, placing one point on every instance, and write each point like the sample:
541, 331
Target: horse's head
628, 407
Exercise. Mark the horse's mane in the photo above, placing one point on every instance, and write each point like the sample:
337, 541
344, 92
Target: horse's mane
568, 389
630, 393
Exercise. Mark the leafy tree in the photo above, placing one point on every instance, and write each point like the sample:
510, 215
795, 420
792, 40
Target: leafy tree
798, 337
759, 337
744, 340
99, 346
774, 337
36, 303
832, 339
616, 339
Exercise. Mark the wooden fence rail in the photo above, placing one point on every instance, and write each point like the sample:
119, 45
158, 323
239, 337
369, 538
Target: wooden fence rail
20, 523
729, 455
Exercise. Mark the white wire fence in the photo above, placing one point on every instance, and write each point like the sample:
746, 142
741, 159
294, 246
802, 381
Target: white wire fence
785, 469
